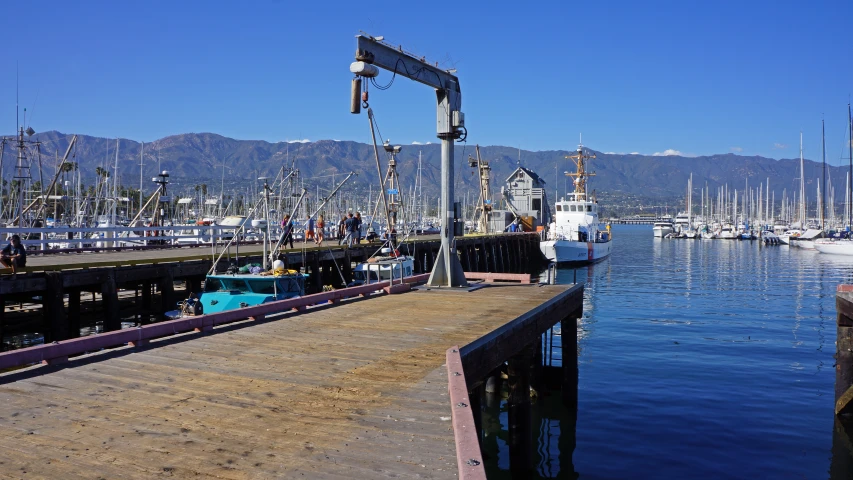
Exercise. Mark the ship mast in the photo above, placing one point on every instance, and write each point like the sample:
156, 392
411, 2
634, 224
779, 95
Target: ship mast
580, 177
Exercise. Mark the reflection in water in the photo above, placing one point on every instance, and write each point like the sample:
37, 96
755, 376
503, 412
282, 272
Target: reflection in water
709, 358
553, 428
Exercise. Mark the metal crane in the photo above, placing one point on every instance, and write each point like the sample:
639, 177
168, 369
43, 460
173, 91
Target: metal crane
372, 52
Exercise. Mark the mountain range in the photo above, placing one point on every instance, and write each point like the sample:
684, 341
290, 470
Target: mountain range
196, 158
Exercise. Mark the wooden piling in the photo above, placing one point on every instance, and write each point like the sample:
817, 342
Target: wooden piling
569, 345
193, 285
166, 285
519, 413
74, 312
844, 351
146, 296
56, 326
109, 298
346, 268
316, 275
2, 321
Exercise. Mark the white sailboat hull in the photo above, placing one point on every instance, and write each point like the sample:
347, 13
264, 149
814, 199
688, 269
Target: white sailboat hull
837, 247
568, 252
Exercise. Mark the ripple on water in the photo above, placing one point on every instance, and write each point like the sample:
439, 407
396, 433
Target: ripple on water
703, 360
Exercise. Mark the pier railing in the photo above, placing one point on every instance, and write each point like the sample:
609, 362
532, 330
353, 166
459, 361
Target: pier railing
110, 236
59, 352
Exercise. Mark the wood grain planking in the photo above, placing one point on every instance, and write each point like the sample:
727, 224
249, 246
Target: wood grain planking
356, 394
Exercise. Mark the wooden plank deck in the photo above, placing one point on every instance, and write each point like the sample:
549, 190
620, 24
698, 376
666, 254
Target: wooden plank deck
351, 391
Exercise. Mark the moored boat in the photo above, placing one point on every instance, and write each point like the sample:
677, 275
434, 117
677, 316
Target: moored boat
230, 291
576, 236
834, 247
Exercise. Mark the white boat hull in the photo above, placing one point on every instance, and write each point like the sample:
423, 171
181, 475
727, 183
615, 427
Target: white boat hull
838, 247
566, 251
661, 232
804, 244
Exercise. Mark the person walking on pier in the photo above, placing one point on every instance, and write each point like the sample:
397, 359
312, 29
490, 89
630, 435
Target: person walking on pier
342, 229
321, 224
309, 230
287, 225
349, 227
14, 255
357, 227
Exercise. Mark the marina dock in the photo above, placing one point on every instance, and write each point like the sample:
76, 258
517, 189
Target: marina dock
150, 278
357, 388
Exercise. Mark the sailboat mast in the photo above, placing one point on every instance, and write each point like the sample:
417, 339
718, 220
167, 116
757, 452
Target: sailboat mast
802, 187
823, 177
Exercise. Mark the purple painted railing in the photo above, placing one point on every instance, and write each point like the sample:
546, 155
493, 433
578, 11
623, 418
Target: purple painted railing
469, 460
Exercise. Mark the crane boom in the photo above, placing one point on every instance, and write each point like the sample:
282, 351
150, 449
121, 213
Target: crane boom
372, 52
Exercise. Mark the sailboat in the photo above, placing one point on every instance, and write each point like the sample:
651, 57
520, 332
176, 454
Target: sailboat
690, 231
576, 236
792, 234
811, 235
841, 246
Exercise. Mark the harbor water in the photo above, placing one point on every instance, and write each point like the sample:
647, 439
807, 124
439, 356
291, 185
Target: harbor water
698, 359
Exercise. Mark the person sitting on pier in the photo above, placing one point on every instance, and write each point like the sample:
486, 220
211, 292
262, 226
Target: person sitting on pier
14, 255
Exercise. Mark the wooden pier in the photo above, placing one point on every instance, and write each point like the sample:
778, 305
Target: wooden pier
61, 280
353, 389
842, 435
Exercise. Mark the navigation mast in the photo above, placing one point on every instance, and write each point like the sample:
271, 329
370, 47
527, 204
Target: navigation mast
580, 176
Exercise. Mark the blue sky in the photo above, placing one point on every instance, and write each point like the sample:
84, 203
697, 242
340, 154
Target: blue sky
644, 77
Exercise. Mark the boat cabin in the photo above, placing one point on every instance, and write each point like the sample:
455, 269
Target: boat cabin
382, 270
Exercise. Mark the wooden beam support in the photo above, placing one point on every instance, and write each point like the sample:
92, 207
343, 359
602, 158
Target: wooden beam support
519, 413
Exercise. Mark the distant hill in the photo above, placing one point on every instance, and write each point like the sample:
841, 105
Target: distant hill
195, 158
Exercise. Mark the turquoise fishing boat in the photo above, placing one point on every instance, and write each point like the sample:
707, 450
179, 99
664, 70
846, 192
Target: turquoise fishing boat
233, 291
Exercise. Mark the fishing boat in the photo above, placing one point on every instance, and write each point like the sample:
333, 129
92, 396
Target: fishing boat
576, 236
230, 291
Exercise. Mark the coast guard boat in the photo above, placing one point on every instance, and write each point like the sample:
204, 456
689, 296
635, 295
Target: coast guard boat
576, 236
